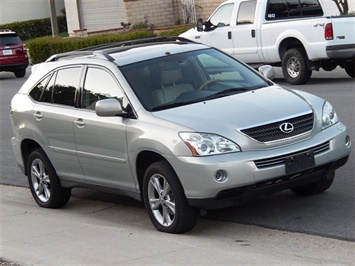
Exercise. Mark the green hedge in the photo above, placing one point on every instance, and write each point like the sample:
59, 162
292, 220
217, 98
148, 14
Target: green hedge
42, 48
35, 28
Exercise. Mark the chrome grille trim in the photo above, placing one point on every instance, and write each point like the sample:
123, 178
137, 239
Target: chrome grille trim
271, 132
280, 160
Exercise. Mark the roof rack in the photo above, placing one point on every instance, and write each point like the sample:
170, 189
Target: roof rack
135, 42
6, 30
101, 55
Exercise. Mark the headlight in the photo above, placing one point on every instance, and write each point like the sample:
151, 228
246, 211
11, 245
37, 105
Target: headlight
329, 116
202, 144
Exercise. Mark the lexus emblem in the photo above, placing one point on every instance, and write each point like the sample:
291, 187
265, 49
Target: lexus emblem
286, 127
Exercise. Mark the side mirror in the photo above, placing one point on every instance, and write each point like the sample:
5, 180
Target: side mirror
199, 25
267, 71
109, 107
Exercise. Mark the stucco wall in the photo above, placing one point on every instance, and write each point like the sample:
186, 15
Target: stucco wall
21, 10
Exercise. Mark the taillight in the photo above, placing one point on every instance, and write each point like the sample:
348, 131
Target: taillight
328, 31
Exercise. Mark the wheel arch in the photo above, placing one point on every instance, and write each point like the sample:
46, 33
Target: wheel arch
288, 44
143, 161
27, 147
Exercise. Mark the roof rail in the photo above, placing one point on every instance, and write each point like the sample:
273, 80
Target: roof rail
101, 55
134, 42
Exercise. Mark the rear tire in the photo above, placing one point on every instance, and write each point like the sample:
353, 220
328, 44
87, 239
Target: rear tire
44, 182
294, 66
350, 69
316, 187
20, 73
165, 200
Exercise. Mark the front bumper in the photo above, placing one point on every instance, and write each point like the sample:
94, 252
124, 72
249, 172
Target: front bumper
258, 172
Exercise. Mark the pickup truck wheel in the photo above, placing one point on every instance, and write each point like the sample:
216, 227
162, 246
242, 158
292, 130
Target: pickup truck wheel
350, 69
315, 187
294, 66
44, 182
165, 200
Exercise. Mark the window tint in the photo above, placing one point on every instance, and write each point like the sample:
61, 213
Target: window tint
47, 92
100, 84
65, 86
9, 39
246, 12
38, 90
311, 8
282, 9
222, 15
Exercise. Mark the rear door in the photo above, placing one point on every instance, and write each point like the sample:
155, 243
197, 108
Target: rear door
53, 120
244, 33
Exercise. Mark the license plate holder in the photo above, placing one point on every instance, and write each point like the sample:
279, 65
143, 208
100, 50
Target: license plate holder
299, 162
7, 52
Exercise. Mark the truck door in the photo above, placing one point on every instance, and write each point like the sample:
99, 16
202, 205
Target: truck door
244, 34
217, 32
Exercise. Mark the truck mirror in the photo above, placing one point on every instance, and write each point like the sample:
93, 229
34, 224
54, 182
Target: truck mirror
199, 25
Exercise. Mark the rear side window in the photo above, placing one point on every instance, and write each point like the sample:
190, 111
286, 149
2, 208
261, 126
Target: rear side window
246, 12
287, 9
59, 88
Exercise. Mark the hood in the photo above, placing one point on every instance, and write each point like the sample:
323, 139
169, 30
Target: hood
225, 115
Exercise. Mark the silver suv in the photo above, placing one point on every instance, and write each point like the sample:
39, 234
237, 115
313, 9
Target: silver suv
176, 124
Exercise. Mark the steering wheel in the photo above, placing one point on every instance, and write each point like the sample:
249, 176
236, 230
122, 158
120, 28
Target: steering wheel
207, 83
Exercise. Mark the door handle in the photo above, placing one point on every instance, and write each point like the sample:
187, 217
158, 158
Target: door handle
80, 122
253, 33
38, 115
229, 35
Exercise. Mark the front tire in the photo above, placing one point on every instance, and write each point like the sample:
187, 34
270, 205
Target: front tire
44, 182
165, 200
294, 66
315, 187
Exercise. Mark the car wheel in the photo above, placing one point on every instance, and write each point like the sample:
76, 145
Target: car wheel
315, 187
44, 182
294, 66
350, 69
20, 73
165, 200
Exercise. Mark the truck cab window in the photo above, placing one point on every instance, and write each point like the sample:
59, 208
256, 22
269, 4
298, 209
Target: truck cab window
246, 12
222, 16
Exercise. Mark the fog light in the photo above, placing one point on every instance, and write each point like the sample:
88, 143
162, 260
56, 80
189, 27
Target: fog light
220, 176
347, 141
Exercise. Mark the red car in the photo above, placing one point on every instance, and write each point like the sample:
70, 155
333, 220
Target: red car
13, 53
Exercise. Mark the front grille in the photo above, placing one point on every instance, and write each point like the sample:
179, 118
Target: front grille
272, 132
280, 160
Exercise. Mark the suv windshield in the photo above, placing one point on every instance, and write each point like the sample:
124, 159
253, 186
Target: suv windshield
185, 78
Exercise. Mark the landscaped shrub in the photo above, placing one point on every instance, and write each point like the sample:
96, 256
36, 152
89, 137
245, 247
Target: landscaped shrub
35, 28
42, 48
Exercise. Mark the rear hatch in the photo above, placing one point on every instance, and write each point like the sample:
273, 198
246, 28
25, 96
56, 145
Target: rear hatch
12, 50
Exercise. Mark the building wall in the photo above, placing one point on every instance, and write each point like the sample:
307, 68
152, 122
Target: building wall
205, 8
94, 15
21, 10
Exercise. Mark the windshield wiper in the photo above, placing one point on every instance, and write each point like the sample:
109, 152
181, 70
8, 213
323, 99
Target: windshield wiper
173, 104
225, 93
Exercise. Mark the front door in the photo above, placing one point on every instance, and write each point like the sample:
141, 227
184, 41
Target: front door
101, 141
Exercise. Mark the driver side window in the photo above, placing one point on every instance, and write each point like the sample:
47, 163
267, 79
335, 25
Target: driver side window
223, 15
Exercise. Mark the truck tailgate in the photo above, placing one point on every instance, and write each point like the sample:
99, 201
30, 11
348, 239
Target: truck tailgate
343, 30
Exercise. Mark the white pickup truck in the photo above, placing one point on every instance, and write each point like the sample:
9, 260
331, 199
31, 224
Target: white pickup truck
299, 35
